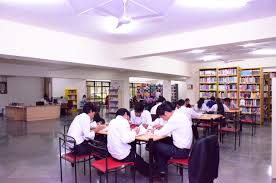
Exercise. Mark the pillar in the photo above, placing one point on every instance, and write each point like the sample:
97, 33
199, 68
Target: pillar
167, 90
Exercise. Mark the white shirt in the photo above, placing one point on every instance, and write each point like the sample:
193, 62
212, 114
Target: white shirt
215, 108
182, 133
80, 128
189, 112
203, 107
158, 121
118, 137
153, 109
145, 118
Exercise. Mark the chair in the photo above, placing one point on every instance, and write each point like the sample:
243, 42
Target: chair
249, 119
67, 143
235, 128
179, 163
106, 164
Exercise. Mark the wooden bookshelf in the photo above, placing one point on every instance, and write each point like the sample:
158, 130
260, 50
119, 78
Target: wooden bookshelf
113, 105
208, 83
228, 83
252, 92
174, 89
72, 97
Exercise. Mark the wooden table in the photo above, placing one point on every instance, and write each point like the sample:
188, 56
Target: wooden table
208, 118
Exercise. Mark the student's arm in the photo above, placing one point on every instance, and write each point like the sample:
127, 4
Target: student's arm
166, 130
214, 108
194, 114
126, 135
148, 118
226, 109
85, 124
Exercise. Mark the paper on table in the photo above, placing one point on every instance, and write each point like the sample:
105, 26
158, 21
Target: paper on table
142, 131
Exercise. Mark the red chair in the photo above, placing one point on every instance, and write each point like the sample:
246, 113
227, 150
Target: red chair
179, 163
67, 143
249, 119
106, 164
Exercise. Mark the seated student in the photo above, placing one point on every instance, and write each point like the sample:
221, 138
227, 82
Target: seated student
211, 102
187, 103
159, 101
189, 112
230, 104
219, 107
83, 101
80, 129
139, 115
118, 139
201, 106
182, 135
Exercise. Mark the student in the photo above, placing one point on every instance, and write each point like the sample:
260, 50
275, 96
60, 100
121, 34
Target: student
139, 115
201, 106
118, 139
159, 101
211, 102
189, 112
230, 104
182, 135
80, 129
83, 101
62, 100
219, 107
187, 103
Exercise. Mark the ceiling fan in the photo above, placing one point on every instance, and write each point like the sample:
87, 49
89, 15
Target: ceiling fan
124, 19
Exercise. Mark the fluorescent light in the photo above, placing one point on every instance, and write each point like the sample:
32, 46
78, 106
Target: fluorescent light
210, 57
34, 2
109, 25
213, 4
196, 51
248, 45
264, 52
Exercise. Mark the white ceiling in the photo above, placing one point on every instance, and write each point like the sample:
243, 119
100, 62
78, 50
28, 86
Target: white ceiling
62, 15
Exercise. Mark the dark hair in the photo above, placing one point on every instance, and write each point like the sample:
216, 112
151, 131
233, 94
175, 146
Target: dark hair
89, 106
200, 103
84, 96
187, 99
161, 99
165, 107
180, 102
139, 107
212, 98
227, 99
122, 112
220, 109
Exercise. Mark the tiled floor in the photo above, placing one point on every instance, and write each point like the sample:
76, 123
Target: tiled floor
29, 154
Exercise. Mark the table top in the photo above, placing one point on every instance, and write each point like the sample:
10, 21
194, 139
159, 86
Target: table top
209, 116
234, 110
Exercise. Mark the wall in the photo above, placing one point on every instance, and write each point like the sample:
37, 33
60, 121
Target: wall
273, 152
60, 84
25, 90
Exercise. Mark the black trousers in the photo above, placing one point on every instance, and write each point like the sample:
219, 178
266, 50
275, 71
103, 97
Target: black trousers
140, 165
82, 149
163, 152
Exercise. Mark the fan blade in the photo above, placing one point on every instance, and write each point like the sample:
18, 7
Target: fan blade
119, 25
143, 6
98, 6
148, 17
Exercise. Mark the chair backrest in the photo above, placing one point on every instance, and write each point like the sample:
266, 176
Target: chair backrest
66, 143
231, 117
204, 160
99, 149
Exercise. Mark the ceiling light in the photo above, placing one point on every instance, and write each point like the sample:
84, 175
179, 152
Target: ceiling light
109, 24
210, 57
264, 52
213, 4
34, 2
248, 45
196, 51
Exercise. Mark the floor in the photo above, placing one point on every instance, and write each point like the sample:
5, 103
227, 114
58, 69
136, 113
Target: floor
29, 154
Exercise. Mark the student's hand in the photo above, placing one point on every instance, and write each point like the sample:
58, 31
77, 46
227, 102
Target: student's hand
145, 125
99, 128
158, 126
137, 130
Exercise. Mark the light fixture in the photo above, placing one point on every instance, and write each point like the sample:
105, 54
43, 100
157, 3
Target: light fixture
34, 2
196, 51
213, 4
210, 57
109, 24
248, 45
264, 51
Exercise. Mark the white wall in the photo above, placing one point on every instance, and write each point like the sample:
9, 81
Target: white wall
273, 152
60, 84
25, 90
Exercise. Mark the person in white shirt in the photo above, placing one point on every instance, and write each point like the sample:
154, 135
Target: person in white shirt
189, 112
80, 129
182, 135
118, 138
139, 115
230, 104
159, 101
200, 106
219, 107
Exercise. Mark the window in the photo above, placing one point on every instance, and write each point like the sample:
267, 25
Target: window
97, 90
3, 88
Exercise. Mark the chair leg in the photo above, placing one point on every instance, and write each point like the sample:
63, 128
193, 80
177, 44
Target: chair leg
140, 149
106, 176
239, 138
89, 169
60, 167
252, 129
75, 172
84, 171
182, 175
115, 176
133, 174
235, 139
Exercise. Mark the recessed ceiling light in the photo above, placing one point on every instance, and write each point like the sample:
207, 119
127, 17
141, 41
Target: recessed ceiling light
210, 57
248, 45
196, 51
213, 4
34, 2
264, 52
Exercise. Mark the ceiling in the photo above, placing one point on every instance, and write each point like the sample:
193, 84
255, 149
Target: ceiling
62, 15
227, 53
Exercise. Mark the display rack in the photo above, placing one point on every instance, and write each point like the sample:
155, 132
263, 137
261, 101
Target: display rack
72, 98
208, 83
113, 100
267, 97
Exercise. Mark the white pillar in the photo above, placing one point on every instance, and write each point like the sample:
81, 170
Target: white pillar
273, 153
167, 90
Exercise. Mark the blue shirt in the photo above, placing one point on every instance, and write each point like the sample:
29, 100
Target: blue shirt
210, 103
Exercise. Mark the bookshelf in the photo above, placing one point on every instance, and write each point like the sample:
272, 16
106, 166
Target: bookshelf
252, 92
72, 98
228, 83
267, 96
208, 83
113, 105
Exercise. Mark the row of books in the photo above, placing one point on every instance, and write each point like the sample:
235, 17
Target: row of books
255, 80
207, 94
229, 95
208, 87
250, 72
225, 72
266, 88
208, 73
228, 87
248, 95
208, 80
254, 103
227, 80
250, 110
250, 87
